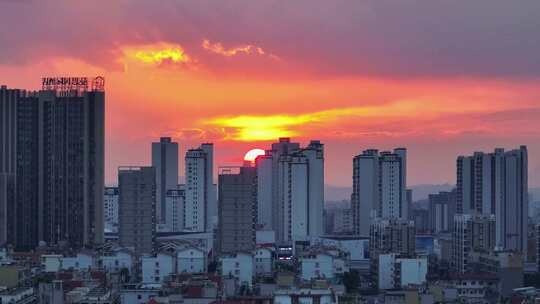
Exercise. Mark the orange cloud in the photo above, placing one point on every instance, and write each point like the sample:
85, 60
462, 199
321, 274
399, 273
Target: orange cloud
157, 54
370, 120
218, 48
268, 127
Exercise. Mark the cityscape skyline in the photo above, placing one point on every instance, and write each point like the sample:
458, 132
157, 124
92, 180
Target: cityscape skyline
269, 152
199, 77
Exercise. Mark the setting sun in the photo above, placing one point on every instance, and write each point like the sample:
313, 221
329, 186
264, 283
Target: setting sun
252, 154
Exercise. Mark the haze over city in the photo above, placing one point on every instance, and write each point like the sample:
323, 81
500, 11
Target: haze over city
442, 79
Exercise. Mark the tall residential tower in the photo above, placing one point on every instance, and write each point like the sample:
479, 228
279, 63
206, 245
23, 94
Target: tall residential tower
291, 186
496, 184
165, 162
379, 187
200, 194
237, 209
8, 165
57, 136
137, 222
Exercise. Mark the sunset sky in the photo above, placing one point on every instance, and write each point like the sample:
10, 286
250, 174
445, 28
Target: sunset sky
441, 78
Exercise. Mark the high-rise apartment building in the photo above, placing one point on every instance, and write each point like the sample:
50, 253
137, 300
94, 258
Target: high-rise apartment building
442, 208
379, 187
59, 164
174, 209
165, 162
342, 221
291, 185
8, 166
137, 220
266, 191
200, 201
471, 233
496, 183
237, 188
270, 212
392, 236
110, 210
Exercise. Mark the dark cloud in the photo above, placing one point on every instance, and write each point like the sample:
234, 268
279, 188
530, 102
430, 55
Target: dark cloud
494, 38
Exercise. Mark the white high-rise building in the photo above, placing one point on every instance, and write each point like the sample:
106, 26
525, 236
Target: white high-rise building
200, 202
165, 163
291, 190
110, 208
496, 184
314, 154
379, 187
269, 211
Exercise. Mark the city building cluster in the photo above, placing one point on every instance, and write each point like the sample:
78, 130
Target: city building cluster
257, 233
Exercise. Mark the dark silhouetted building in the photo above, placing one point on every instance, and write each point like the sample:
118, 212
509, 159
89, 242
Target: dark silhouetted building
165, 162
59, 166
136, 203
8, 155
237, 213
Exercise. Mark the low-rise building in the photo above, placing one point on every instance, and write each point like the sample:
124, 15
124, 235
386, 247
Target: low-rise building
51, 262
138, 294
155, 269
23, 295
401, 297
395, 272
306, 295
264, 260
97, 295
239, 266
316, 266
117, 260
82, 261
58, 262
191, 259
355, 247
473, 287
